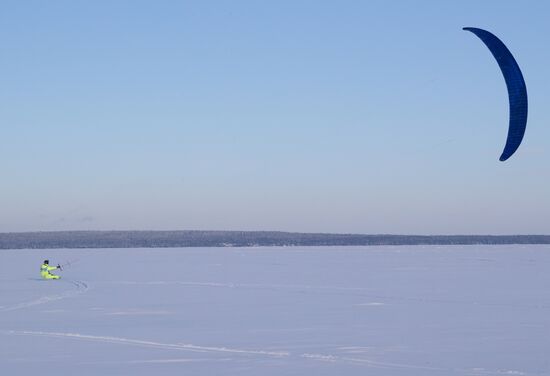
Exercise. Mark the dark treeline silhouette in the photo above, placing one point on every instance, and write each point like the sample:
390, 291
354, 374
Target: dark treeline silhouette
154, 239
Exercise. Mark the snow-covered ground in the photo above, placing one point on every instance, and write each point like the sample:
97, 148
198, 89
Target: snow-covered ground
460, 310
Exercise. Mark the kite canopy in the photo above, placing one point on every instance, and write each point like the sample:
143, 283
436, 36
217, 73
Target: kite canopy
517, 91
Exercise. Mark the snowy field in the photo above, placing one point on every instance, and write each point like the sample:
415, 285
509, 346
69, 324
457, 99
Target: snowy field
453, 310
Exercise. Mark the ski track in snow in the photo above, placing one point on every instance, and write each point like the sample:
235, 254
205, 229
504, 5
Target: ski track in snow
253, 353
81, 287
149, 344
217, 350
166, 361
247, 353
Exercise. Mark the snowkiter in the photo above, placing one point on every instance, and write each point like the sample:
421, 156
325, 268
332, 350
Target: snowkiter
46, 268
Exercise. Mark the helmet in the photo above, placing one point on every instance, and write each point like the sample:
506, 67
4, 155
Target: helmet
46, 261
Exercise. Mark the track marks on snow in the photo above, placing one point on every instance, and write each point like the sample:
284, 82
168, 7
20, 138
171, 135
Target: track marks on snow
149, 344
79, 287
349, 358
255, 353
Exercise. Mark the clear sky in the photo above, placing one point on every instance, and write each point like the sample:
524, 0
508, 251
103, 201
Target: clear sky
317, 116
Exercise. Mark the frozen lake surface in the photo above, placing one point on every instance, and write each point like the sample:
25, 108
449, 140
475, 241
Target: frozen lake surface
449, 310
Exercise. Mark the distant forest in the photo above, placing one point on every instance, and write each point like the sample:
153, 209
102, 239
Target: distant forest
163, 239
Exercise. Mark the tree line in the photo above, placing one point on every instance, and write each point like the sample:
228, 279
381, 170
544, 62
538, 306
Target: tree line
163, 239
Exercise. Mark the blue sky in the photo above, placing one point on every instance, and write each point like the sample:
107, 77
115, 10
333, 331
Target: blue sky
341, 116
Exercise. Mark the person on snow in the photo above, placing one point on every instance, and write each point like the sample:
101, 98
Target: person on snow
46, 268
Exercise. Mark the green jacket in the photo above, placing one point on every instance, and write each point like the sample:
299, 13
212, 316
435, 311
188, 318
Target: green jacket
45, 272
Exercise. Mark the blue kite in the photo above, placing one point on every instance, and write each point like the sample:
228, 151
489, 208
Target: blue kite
517, 91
